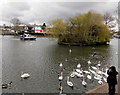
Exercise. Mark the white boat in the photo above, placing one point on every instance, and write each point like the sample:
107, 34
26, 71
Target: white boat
27, 37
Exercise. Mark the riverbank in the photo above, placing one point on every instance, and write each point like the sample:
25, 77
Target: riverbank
104, 88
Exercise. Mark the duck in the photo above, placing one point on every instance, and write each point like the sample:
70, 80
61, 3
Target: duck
4, 86
69, 83
25, 75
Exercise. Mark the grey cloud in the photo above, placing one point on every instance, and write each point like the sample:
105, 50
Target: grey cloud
39, 12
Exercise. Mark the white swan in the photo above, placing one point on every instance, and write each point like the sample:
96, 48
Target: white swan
104, 79
61, 76
87, 72
78, 66
100, 81
84, 83
69, 82
61, 64
89, 62
25, 75
93, 67
92, 71
89, 76
70, 50
78, 70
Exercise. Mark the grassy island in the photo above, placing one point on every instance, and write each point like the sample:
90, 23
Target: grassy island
83, 29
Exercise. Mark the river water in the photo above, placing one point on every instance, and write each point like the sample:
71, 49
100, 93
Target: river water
41, 60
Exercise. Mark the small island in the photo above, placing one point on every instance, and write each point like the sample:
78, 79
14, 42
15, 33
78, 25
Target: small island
83, 29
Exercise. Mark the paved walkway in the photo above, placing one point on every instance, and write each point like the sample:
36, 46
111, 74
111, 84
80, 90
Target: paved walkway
104, 88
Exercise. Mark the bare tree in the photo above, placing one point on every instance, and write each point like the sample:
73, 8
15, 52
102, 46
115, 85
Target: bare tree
15, 21
108, 19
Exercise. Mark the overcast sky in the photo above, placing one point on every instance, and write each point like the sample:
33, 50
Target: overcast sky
40, 12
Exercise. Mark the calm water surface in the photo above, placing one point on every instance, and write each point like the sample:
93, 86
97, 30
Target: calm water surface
41, 60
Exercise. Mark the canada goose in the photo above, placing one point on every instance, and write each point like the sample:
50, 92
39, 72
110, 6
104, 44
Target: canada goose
78, 66
4, 86
25, 75
69, 82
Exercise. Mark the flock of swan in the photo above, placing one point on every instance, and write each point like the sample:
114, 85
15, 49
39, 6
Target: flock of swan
94, 72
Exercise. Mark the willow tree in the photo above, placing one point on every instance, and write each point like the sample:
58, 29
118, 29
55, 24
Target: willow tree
83, 29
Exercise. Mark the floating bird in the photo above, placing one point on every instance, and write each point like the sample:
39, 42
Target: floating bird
100, 81
61, 64
25, 75
73, 74
92, 71
66, 60
70, 50
78, 70
84, 83
87, 72
89, 62
99, 65
61, 76
69, 82
93, 67
78, 74
104, 79
89, 76
78, 66
4, 86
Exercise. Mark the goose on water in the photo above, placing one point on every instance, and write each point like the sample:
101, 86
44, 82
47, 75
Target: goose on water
25, 75
69, 82
4, 86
